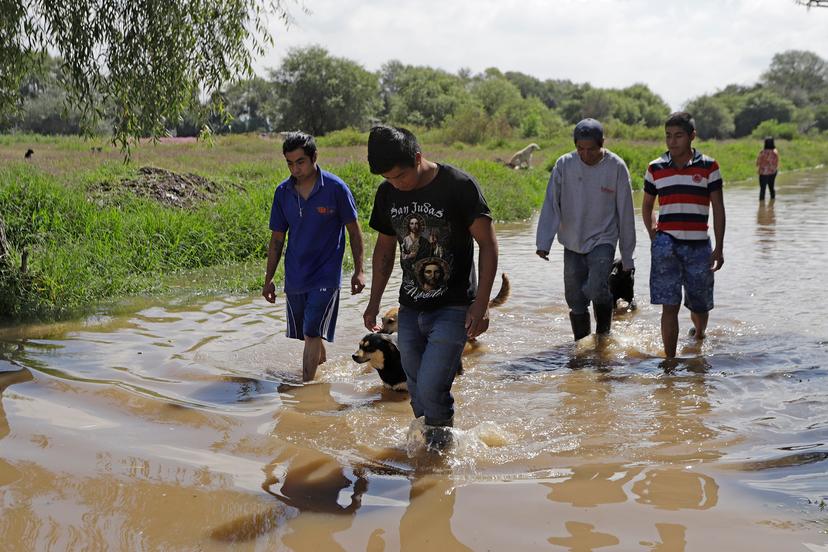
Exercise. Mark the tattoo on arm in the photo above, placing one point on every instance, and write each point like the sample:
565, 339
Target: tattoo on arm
387, 264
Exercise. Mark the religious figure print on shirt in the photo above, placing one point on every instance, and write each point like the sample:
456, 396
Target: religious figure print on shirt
423, 252
431, 225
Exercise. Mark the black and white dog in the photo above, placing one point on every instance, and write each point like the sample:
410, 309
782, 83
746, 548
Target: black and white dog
621, 284
381, 353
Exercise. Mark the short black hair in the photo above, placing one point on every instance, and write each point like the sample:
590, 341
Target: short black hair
296, 140
681, 119
769, 144
389, 147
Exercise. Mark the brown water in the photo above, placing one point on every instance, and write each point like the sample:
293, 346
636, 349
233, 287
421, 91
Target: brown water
183, 427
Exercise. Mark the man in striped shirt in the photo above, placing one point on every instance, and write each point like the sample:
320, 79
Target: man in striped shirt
687, 183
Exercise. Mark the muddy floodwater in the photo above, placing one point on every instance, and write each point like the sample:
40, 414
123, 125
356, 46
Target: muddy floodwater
183, 426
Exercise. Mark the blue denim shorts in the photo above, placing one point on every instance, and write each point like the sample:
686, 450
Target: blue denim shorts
678, 264
312, 314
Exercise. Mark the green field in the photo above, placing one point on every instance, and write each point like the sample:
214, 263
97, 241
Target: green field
90, 241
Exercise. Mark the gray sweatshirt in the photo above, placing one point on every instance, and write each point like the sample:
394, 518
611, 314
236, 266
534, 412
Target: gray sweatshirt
588, 206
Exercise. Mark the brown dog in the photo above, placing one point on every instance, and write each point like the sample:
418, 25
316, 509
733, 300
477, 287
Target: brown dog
389, 319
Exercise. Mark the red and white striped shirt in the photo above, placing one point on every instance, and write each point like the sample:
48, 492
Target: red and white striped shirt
683, 194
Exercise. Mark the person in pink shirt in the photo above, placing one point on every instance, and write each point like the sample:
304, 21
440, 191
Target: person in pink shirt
768, 165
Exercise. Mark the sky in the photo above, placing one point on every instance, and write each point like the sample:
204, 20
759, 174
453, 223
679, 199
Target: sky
680, 49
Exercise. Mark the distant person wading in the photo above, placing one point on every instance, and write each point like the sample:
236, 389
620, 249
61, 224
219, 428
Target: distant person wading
767, 163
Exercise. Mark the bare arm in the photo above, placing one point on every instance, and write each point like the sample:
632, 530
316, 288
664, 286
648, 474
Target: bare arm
274, 255
382, 264
647, 214
717, 202
357, 252
477, 317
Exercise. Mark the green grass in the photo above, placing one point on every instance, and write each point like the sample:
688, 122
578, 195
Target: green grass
84, 252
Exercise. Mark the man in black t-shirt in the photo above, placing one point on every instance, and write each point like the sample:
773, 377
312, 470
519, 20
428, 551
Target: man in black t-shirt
440, 305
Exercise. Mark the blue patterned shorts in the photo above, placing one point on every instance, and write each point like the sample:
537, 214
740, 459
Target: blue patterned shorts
677, 264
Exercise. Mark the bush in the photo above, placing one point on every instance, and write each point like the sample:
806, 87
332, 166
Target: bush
713, 118
344, 137
821, 118
468, 124
784, 131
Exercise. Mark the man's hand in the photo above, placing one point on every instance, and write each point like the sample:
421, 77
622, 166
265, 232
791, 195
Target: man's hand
477, 319
269, 292
357, 282
716, 259
369, 317
542, 254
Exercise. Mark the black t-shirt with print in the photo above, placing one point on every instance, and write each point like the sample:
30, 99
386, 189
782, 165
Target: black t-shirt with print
432, 227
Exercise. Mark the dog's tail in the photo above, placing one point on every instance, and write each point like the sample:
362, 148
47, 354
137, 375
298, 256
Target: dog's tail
502, 295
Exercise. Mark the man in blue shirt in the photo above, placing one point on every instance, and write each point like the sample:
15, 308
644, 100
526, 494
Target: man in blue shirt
313, 207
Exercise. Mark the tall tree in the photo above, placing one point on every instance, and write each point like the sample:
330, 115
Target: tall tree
420, 95
150, 60
317, 92
761, 105
250, 103
494, 91
713, 118
798, 75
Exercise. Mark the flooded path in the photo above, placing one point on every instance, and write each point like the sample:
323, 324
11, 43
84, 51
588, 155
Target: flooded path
184, 426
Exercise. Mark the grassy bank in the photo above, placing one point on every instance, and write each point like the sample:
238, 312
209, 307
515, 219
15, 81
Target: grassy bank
85, 247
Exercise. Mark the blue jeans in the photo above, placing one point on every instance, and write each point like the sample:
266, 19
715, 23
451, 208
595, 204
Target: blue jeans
586, 278
430, 344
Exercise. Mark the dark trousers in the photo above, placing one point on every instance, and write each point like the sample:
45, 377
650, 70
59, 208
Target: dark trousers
767, 180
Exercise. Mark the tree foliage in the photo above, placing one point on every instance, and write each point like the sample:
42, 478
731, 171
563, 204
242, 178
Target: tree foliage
317, 92
761, 105
420, 96
494, 91
713, 118
251, 105
149, 60
798, 75
44, 108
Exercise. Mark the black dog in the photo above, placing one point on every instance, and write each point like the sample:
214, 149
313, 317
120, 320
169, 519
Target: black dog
382, 354
29, 153
621, 284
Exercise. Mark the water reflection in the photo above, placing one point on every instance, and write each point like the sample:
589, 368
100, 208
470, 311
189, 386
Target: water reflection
303, 483
318, 498
7, 379
583, 538
426, 523
124, 423
591, 485
673, 538
765, 227
676, 489
681, 406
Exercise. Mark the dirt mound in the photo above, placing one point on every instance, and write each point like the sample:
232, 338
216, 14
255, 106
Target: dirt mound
176, 190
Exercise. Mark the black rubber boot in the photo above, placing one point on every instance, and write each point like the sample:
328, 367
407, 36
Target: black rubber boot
438, 436
581, 325
603, 318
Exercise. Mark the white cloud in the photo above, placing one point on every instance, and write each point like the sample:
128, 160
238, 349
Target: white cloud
679, 49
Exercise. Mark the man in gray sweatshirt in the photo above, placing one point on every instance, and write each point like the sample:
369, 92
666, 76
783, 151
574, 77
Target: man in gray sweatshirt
588, 205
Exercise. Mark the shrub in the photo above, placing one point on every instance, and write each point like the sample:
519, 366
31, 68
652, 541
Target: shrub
784, 131
341, 138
